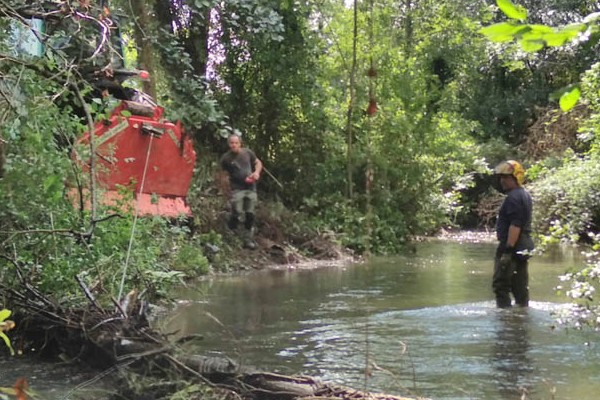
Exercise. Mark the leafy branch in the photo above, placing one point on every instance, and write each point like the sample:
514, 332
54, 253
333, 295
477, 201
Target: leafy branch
535, 37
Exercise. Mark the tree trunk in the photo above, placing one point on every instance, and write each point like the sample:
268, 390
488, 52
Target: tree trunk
141, 29
196, 44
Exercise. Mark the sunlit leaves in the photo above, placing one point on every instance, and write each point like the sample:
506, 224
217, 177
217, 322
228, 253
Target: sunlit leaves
569, 98
535, 37
512, 10
532, 37
503, 32
564, 35
6, 325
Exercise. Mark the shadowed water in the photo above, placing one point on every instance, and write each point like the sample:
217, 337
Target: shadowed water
424, 324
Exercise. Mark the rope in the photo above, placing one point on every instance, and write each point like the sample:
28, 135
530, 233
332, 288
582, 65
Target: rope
135, 218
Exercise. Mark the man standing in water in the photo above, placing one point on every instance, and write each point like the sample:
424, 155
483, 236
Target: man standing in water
243, 168
513, 230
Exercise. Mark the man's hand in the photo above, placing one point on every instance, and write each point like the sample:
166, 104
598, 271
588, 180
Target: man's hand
255, 175
506, 257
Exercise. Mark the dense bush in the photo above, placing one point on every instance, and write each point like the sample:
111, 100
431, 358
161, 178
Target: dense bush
567, 204
567, 198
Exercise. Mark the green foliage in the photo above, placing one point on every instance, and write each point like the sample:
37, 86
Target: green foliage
188, 99
567, 198
569, 98
191, 391
567, 189
6, 325
41, 231
279, 72
581, 288
590, 85
531, 37
511, 10
420, 145
36, 166
535, 37
190, 259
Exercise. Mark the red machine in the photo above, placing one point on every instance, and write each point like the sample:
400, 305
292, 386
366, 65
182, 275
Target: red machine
137, 150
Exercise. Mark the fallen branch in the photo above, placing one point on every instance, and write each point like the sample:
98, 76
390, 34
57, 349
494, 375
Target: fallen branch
129, 345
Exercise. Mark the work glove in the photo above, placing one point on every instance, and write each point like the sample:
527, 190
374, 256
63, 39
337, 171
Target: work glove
506, 257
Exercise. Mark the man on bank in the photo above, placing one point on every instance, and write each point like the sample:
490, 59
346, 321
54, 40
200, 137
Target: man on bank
513, 230
244, 169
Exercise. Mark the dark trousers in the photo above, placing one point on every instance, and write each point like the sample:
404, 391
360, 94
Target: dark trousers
511, 278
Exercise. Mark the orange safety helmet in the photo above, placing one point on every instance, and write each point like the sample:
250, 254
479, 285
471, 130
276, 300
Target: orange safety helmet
512, 168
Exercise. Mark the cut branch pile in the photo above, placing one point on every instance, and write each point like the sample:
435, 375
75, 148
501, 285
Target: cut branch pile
554, 131
488, 206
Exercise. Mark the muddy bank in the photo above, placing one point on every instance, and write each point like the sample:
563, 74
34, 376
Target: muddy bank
283, 255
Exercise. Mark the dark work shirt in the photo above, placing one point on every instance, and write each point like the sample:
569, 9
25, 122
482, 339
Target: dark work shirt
515, 210
239, 166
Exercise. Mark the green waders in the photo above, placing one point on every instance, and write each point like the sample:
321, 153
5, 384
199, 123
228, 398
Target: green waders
243, 204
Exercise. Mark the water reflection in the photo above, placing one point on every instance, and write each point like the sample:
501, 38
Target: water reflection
427, 319
510, 357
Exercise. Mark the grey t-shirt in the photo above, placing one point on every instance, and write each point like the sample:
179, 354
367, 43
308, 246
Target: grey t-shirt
239, 166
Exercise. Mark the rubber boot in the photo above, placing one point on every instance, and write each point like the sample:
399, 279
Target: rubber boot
249, 242
503, 301
232, 222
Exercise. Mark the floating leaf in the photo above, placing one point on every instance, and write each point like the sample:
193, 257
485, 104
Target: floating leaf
569, 99
512, 10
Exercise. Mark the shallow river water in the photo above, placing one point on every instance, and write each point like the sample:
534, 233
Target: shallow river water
424, 323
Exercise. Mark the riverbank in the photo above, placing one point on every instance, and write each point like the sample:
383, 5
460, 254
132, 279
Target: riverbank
325, 251
284, 240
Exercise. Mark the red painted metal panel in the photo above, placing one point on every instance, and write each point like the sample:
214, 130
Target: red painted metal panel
122, 145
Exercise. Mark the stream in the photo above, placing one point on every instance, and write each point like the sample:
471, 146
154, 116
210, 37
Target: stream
421, 324
424, 324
